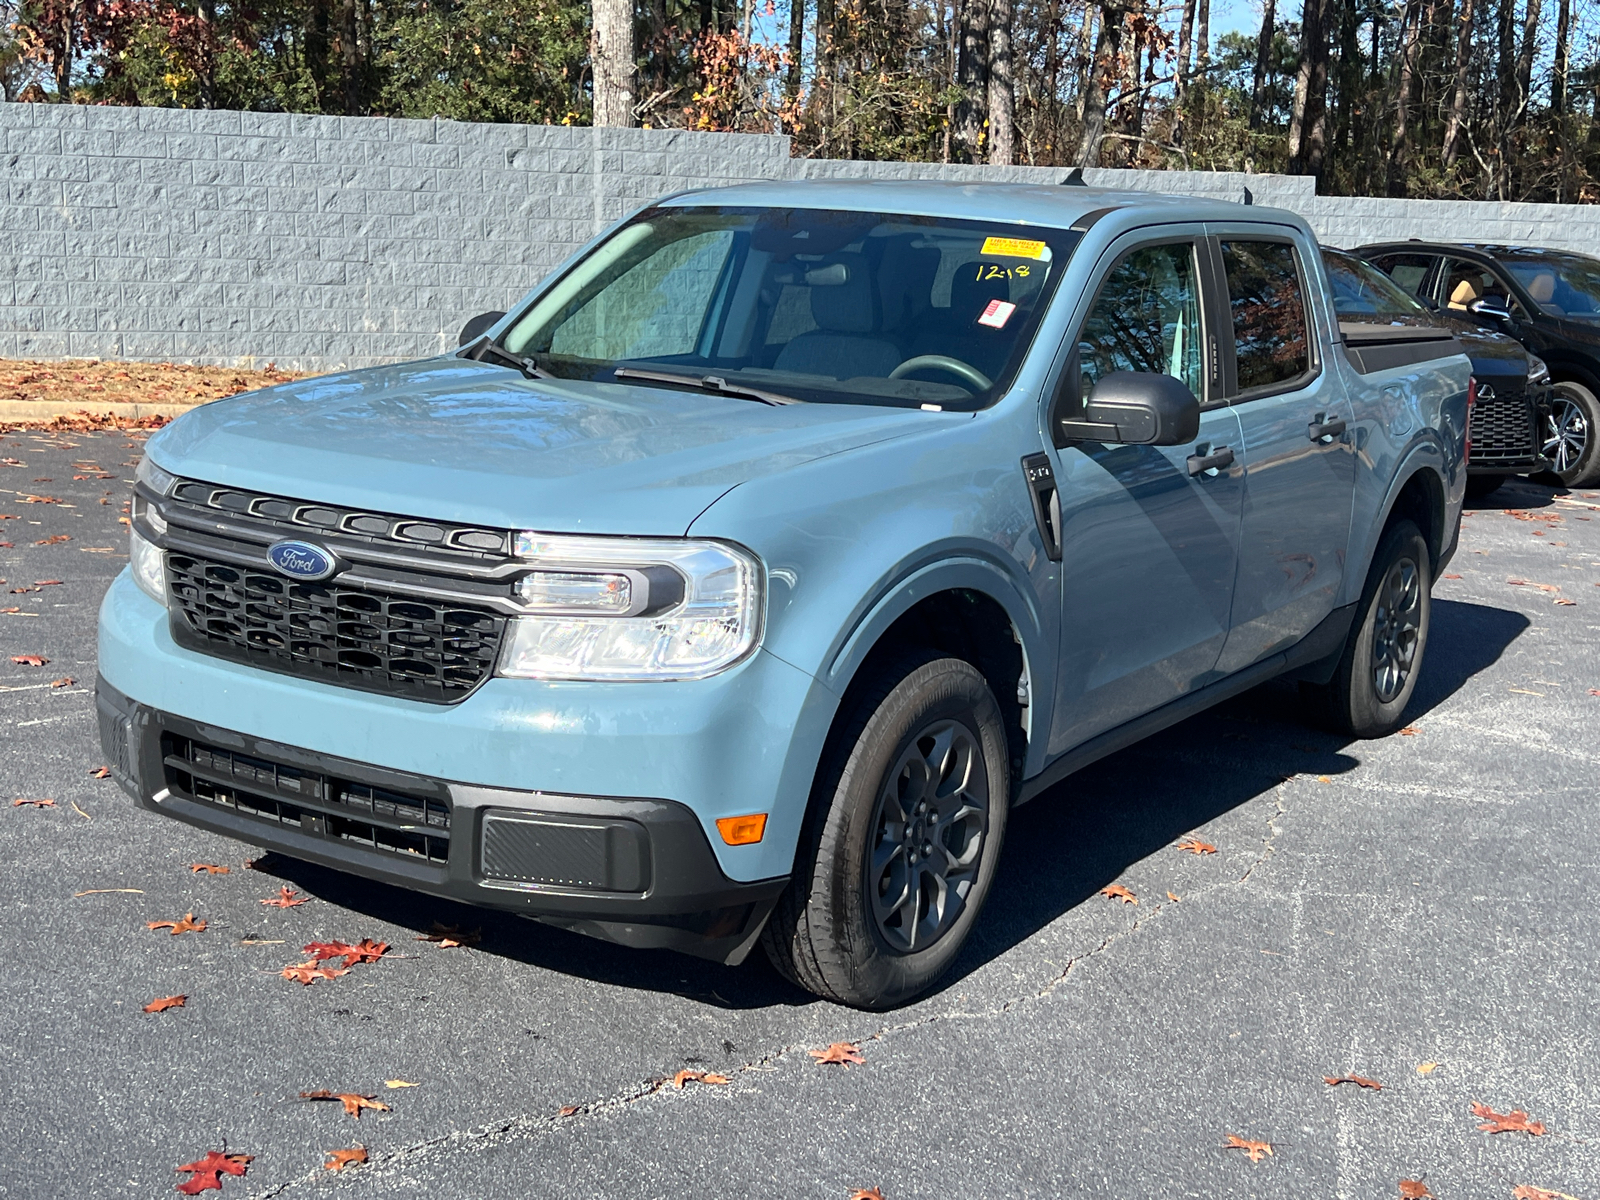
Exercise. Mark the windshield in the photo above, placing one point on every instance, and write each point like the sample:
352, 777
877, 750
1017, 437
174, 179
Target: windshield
1563, 285
1360, 290
815, 305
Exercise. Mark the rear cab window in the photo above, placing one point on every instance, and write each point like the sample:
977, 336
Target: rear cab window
1410, 271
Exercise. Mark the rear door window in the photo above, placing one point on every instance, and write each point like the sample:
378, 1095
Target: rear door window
1271, 336
1410, 271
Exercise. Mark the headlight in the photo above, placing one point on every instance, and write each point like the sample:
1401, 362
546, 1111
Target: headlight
632, 608
148, 571
154, 478
1538, 370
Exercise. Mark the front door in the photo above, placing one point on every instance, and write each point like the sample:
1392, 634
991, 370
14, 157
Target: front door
1298, 447
1149, 545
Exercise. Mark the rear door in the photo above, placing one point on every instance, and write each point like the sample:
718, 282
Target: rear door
1298, 449
1149, 546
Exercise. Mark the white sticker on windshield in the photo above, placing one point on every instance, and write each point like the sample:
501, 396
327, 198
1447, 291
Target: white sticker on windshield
997, 314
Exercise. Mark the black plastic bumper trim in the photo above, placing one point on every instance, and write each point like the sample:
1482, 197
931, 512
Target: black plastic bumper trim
686, 902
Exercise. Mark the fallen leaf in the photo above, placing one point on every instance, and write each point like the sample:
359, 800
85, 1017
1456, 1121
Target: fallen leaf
48, 583
364, 951
687, 1076
353, 1102
1117, 892
1594, 691
1450, 577
284, 899
187, 925
1568, 603
107, 891
64, 681
844, 1053
866, 1194
399, 1083
1427, 1068
162, 1003
1172, 897
308, 972
338, 1160
451, 935
1526, 1191
1358, 1080
1410, 731
53, 539
1195, 846
35, 803
1515, 1121
41, 500
567, 1110
1323, 779
100, 772
1254, 1149
196, 868
203, 1173
29, 660
1413, 1189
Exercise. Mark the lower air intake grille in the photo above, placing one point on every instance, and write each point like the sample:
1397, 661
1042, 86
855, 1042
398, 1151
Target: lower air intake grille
1502, 431
341, 810
396, 645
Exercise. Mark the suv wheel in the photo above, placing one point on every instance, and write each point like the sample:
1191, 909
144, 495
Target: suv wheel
1382, 657
908, 814
1572, 435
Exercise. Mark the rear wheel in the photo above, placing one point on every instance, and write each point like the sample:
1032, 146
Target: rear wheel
1479, 486
1377, 672
908, 816
1572, 435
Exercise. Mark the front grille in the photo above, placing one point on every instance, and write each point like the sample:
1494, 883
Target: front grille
354, 637
1503, 431
342, 810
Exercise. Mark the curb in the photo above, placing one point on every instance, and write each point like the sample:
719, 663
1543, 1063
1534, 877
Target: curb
35, 412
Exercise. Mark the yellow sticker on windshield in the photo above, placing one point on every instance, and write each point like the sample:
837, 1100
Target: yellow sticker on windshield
1015, 248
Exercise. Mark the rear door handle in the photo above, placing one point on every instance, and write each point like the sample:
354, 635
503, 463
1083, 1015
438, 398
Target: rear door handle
1205, 461
1321, 427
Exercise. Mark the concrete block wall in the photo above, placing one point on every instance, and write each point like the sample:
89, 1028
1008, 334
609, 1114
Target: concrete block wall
319, 242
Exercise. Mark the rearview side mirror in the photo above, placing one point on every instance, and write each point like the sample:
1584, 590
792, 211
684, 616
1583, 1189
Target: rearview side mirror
477, 327
1136, 408
1491, 306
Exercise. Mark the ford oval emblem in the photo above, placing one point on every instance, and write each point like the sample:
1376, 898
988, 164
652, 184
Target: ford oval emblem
302, 560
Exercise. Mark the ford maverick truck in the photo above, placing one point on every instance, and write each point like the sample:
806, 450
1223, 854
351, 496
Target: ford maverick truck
735, 585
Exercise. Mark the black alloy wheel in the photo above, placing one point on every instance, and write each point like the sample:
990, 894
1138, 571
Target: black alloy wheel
1397, 629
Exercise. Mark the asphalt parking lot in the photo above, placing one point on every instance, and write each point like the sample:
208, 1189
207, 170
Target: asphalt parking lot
1417, 911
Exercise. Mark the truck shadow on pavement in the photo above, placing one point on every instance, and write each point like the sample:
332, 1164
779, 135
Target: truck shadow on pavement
1061, 849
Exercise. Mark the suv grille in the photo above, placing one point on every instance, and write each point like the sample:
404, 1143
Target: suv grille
358, 638
1502, 431
338, 809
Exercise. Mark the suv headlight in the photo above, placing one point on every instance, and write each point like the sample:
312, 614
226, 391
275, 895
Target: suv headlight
1538, 371
149, 572
153, 477
614, 608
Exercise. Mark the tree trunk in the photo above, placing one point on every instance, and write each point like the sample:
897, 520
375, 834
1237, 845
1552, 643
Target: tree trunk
797, 42
1399, 146
1558, 80
611, 52
1002, 90
63, 63
1180, 84
350, 55
1458, 102
1107, 48
972, 72
1269, 17
1202, 49
1307, 127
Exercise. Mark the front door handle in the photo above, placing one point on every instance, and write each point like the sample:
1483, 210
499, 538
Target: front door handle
1321, 428
1205, 461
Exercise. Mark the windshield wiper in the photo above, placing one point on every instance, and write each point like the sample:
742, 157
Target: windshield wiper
491, 349
708, 383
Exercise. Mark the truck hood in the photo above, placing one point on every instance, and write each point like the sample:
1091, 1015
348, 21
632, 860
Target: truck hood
456, 440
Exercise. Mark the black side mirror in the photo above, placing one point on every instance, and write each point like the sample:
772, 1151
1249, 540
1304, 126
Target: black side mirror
1494, 307
1137, 408
477, 327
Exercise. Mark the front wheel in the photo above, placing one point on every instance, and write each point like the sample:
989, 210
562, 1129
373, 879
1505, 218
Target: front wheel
908, 815
1572, 435
1377, 672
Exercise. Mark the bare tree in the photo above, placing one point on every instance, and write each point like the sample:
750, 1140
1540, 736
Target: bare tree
1307, 127
1107, 50
1400, 146
1458, 102
1263, 57
612, 54
972, 73
1002, 92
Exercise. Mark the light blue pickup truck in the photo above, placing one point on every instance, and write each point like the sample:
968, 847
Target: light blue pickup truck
736, 584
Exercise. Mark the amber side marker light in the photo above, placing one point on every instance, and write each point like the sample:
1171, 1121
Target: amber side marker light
742, 831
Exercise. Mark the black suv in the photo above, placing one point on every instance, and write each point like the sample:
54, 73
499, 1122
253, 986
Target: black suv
1513, 389
1549, 300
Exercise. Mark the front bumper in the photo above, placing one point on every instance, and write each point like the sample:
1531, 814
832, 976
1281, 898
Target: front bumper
636, 871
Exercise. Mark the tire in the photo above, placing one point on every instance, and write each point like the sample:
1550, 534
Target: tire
835, 930
1382, 658
1572, 435
1479, 486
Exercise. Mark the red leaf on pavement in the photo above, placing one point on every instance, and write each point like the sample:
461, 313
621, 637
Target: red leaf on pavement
1117, 892
871, 1193
364, 951
843, 1053
687, 1076
53, 539
1358, 1080
41, 500
1413, 1189
208, 868
162, 1003
187, 925
48, 582
64, 681
353, 1102
1256, 1150
1515, 1121
449, 936
1196, 846
1450, 577
35, 803
101, 772
338, 1160
1526, 1191
286, 899
308, 972
29, 660
568, 1110
204, 1173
